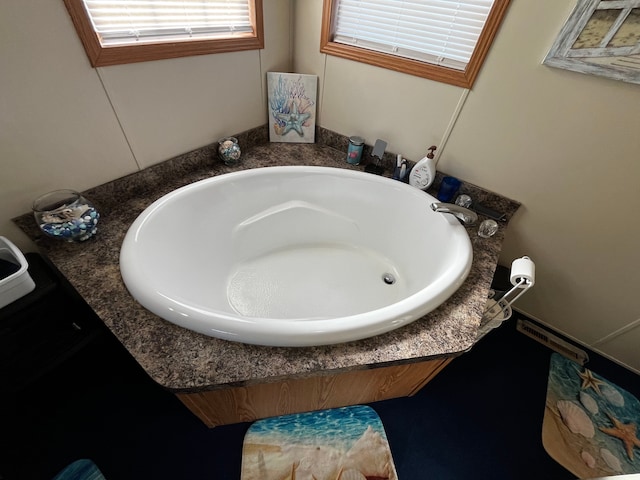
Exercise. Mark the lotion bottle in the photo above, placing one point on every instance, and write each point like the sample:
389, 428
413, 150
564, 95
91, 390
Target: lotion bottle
424, 172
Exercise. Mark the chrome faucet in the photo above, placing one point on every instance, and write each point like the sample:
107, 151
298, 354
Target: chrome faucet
466, 216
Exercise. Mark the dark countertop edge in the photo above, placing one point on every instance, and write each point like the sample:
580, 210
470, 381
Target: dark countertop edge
318, 373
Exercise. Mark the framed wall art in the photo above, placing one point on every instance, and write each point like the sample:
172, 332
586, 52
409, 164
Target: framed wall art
601, 37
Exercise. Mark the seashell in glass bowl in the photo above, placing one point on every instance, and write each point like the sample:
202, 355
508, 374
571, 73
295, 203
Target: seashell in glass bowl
229, 150
66, 215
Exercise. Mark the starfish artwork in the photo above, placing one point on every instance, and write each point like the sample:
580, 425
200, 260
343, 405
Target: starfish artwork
293, 120
625, 432
589, 381
292, 107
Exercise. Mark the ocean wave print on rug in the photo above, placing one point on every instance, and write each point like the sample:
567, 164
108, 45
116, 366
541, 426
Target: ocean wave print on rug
347, 443
590, 425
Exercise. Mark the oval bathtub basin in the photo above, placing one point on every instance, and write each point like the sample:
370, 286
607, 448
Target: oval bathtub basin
294, 256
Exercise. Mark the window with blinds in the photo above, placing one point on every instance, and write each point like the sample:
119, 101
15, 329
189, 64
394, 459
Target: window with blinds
129, 21
445, 40
126, 31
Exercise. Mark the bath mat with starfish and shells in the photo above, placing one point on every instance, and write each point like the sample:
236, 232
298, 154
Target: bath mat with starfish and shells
590, 425
346, 443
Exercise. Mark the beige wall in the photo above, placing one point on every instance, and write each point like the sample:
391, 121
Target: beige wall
560, 142
64, 124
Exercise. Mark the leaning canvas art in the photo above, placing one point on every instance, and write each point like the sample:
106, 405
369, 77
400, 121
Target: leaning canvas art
292, 107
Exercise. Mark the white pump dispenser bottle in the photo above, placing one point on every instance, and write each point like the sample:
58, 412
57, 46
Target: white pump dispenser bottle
424, 172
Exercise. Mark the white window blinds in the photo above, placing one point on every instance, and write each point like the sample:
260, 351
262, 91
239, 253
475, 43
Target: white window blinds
119, 22
441, 32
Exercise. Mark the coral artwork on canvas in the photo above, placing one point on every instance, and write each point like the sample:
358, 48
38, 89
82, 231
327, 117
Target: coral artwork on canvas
292, 107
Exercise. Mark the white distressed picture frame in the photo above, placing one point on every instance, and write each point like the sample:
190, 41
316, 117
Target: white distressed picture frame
615, 62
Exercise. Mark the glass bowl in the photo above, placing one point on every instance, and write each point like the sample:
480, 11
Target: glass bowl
229, 150
66, 215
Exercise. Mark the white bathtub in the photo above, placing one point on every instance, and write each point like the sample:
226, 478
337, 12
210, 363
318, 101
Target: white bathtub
294, 256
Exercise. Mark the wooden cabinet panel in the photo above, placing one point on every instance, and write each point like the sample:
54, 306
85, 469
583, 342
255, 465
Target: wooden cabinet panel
245, 404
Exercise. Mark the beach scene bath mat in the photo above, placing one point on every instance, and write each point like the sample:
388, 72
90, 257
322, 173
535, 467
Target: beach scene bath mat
346, 443
590, 425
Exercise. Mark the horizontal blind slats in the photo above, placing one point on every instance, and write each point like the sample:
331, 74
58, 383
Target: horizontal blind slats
127, 21
446, 30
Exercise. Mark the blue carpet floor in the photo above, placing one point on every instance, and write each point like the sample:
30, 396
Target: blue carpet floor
481, 418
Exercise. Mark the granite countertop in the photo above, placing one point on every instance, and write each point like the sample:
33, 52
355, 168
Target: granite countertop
185, 361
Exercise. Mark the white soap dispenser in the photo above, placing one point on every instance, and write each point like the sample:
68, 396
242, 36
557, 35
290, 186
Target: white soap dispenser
424, 172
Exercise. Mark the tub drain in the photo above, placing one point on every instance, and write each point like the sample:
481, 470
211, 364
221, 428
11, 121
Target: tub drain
388, 278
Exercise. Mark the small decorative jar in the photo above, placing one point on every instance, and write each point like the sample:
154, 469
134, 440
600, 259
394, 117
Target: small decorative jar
229, 150
354, 151
66, 215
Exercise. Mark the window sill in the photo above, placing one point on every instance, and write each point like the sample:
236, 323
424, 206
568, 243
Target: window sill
404, 65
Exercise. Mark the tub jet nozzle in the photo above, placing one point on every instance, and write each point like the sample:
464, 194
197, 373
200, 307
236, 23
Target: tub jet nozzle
388, 278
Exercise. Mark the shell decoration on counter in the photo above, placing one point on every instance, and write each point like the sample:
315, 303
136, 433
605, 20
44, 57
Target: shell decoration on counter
78, 222
229, 150
66, 215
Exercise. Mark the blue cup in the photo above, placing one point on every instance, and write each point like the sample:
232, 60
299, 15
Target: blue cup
448, 189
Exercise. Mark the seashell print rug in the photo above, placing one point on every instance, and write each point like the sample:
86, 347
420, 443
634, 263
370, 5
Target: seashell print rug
590, 425
347, 443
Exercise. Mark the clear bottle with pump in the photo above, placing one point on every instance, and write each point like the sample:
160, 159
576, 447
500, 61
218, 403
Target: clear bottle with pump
424, 172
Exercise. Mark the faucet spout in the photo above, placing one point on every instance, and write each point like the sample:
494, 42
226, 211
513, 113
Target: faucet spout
466, 216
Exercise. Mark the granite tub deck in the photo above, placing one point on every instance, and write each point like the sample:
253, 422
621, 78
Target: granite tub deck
186, 362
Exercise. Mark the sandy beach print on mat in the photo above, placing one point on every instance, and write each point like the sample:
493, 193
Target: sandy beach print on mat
590, 425
346, 443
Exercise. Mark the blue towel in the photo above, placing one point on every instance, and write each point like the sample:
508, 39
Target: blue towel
80, 470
